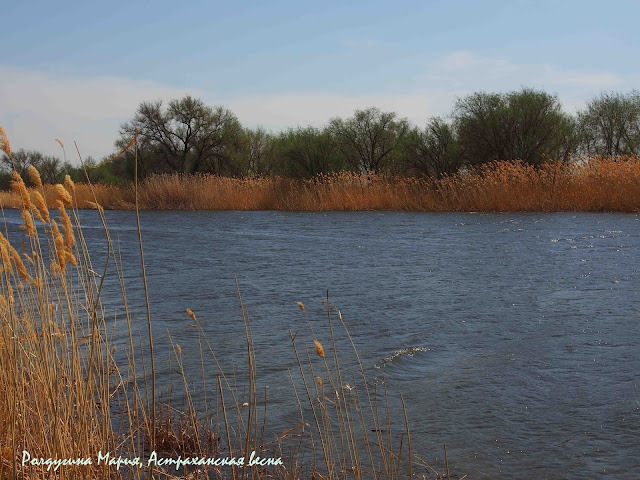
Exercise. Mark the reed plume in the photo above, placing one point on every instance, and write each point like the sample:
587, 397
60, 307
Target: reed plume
19, 264
69, 238
34, 176
69, 257
4, 253
70, 186
4, 143
62, 194
319, 348
60, 248
41, 207
28, 225
18, 186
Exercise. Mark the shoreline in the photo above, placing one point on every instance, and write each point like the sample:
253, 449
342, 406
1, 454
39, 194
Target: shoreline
361, 210
600, 185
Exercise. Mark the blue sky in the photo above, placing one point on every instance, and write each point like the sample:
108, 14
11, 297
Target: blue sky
77, 70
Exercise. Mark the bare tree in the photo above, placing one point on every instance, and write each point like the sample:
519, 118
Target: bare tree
370, 140
610, 124
187, 137
50, 168
257, 148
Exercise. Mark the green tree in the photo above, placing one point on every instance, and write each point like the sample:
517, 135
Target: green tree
610, 124
305, 152
186, 137
51, 168
370, 140
527, 125
434, 151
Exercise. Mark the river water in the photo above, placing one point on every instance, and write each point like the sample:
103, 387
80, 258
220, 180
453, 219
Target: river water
514, 338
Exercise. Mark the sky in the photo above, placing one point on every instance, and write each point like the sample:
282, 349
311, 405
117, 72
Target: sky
77, 70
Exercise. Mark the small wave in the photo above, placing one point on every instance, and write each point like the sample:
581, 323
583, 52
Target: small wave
409, 351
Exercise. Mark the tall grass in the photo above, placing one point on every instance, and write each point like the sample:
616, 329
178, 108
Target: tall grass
66, 392
594, 184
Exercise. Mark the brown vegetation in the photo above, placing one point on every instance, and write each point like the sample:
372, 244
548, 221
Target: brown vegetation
66, 394
597, 184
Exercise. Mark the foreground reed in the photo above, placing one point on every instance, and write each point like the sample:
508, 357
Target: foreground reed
68, 392
596, 184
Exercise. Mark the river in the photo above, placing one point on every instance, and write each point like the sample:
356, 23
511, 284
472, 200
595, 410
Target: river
514, 338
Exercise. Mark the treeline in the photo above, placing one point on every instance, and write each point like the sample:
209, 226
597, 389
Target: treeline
187, 136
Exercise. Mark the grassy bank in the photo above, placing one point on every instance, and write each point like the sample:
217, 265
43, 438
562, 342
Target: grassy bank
597, 184
68, 391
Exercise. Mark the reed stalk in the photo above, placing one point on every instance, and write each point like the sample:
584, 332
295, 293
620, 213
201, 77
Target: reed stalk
68, 390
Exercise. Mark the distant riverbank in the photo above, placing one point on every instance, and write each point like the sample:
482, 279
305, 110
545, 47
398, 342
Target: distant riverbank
597, 185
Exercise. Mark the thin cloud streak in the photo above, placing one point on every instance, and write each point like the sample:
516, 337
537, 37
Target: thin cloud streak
37, 107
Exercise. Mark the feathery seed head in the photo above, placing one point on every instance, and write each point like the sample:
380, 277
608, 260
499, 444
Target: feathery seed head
191, 314
54, 268
70, 257
17, 261
10, 298
69, 237
69, 184
59, 243
301, 306
63, 194
34, 175
18, 186
36, 213
4, 142
97, 206
319, 348
41, 206
28, 225
4, 253
29, 259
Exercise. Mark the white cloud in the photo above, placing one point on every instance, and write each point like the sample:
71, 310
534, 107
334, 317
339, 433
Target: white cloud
437, 88
590, 80
458, 60
36, 108
291, 110
490, 73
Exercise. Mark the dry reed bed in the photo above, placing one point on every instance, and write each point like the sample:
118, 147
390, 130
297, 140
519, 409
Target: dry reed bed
65, 393
595, 184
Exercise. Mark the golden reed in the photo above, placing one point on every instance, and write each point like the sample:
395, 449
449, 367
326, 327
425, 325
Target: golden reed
4, 143
65, 397
594, 184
